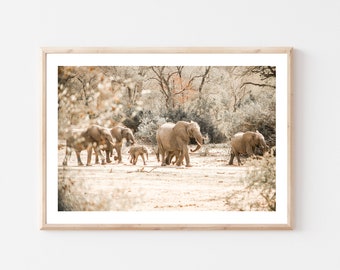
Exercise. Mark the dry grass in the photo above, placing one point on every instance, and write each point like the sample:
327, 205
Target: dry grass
79, 196
260, 187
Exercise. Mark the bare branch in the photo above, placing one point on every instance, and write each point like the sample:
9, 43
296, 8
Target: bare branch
207, 69
257, 84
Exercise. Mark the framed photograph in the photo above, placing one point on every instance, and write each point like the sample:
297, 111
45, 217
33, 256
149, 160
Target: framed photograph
166, 138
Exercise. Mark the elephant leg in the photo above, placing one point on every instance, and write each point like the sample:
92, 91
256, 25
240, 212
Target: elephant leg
78, 158
107, 152
89, 154
101, 156
176, 154
253, 151
238, 159
98, 152
119, 152
187, 160
184, 154
65, 161
163, 153
232, 155
143, 159
97, 158
249, 150
168, 158
67, 155
180, 159
135, 159
157, 155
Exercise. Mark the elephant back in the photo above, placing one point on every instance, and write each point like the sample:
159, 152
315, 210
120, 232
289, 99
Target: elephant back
164, 136
165, 129
237, 137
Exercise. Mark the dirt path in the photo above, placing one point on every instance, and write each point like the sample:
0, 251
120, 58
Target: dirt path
123, 186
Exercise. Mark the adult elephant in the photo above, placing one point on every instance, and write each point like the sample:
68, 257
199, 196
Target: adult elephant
245, 143
90, 138
118, 133
175, 138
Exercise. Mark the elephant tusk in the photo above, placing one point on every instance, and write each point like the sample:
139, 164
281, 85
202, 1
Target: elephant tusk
197, 147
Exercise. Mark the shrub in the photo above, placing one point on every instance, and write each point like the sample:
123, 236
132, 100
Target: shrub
261, 179
78, 196
148, 127
259, 193
251, 117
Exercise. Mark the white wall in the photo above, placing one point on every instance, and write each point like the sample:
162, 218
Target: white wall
311, 27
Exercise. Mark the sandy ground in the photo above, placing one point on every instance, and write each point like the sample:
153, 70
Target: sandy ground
204, 186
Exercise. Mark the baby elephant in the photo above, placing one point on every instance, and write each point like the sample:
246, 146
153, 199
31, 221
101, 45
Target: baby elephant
169, 156
136, 151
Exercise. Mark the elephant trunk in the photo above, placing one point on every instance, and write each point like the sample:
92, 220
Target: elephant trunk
199, 141
264, 146
111, 141
130, 141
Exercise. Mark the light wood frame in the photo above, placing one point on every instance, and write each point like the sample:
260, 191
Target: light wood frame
286, 225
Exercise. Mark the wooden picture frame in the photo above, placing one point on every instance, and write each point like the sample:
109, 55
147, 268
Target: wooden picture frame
224, 90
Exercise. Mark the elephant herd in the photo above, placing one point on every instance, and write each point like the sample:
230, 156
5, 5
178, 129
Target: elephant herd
97, 138
172, 142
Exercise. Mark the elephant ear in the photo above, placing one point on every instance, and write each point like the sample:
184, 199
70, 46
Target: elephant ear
255, 137
103, 131
192, 128
180, 128
259, 134
123, 132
